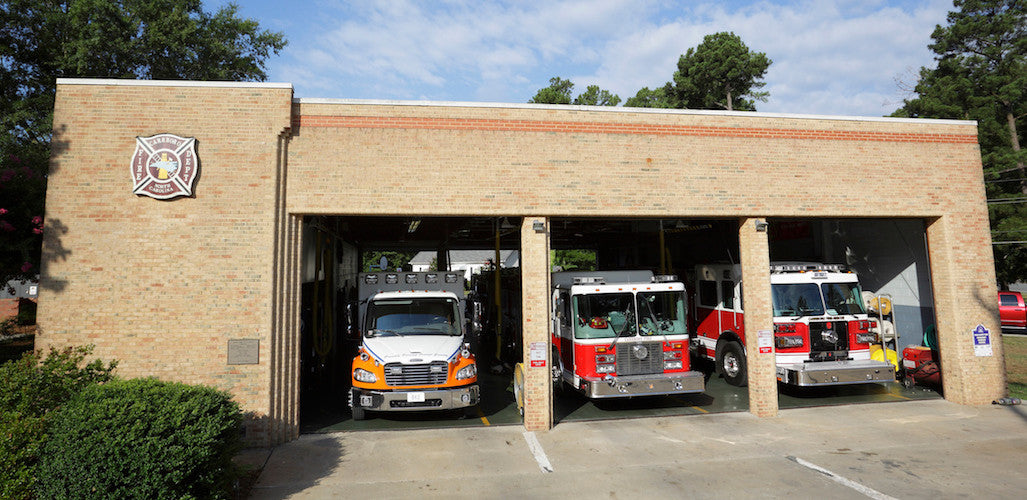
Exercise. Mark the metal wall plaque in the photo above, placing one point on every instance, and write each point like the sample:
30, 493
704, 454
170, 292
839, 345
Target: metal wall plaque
243, 351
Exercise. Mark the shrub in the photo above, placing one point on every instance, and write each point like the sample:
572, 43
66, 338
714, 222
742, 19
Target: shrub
142, 438
31, 389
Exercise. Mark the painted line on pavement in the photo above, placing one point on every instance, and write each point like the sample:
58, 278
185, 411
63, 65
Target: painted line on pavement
872, 493
538, 452
700, 409
483, 419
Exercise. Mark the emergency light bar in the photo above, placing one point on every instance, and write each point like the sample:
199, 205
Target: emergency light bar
589, 280
665, 278
802, 268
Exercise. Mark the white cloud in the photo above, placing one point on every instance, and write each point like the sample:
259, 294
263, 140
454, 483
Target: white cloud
830, 56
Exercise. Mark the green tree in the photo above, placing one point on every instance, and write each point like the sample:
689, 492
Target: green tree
720, 73
646, 98
42, 40
559, 92
573, 260
594, 96
394, 259
981, 74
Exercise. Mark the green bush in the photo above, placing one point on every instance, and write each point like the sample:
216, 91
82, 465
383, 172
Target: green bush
31, 389
142, 438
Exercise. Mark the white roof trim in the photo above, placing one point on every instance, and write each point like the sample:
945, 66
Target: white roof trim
617, 109
171, 83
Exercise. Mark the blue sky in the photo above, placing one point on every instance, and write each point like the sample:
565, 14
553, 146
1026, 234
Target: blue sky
831, 57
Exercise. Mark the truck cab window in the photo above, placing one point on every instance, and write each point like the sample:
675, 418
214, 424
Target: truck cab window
727, 291
708, 293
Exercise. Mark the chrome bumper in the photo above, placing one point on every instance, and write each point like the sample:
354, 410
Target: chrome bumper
864, 371
643, 385
415, 400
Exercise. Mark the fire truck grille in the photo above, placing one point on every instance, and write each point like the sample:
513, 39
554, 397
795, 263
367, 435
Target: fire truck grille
398, 374
829, 336
639, 358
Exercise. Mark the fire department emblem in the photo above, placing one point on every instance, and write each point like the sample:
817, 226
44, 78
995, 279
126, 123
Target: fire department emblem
164, 166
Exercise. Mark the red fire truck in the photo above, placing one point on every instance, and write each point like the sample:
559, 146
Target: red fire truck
821, 331
621, 334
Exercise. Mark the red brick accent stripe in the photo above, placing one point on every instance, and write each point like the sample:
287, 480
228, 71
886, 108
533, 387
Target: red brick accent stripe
617, 128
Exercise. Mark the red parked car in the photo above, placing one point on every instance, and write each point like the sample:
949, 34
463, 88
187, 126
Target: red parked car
1012, 311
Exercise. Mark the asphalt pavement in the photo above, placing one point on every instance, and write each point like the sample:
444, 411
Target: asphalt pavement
910, 449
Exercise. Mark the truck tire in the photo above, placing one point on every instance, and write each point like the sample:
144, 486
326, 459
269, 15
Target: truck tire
731, 364
358, 413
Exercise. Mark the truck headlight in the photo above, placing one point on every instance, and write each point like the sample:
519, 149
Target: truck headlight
672, 365
365, 376
467, 372
785, 341
866, 338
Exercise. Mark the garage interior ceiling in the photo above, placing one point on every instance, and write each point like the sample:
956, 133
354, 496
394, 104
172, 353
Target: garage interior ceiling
383, 232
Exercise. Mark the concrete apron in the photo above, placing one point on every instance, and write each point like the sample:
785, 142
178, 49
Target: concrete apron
918, 449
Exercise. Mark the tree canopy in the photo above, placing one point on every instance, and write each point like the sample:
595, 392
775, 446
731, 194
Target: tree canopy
42, 40
559, 92
981, 74
720, 73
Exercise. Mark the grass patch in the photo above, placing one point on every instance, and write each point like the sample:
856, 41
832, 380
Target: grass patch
1015, 350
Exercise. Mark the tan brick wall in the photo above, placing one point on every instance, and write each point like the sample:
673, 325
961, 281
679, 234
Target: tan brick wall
358, 158
535, 293
754, 256
162, 286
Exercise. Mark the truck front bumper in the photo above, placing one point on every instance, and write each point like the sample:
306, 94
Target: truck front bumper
845, 372
643, 385
414, 399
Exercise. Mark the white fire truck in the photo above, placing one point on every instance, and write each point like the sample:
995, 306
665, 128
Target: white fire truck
413, 354
821, 331
621, 334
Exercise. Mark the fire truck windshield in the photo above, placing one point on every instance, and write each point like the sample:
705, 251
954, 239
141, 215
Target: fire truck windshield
801, 299
804, 299
604, 315
843, 298
434, 316
661, 313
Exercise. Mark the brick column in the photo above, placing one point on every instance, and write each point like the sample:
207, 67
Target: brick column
538, 398
754, 250
963, 280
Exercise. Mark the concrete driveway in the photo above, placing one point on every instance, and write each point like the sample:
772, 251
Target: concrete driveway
918, 449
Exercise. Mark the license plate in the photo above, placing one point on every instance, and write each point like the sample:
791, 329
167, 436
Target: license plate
415, 397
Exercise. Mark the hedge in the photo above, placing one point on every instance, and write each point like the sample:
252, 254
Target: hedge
142, 438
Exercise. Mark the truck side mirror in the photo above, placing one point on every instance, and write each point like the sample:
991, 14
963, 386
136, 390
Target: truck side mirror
351, 330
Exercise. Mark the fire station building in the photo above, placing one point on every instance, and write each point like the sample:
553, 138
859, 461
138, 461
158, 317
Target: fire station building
193, 267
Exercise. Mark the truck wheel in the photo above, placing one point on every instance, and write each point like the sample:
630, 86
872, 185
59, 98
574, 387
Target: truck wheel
358, 413
731, 364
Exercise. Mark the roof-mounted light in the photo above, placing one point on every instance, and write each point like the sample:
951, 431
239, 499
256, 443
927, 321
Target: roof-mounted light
804, 268
665, 278
589, 280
